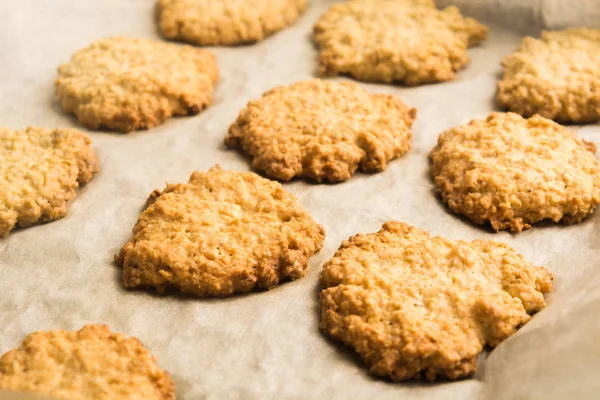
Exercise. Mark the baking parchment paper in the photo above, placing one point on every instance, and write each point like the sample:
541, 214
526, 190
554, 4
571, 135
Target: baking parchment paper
267, 345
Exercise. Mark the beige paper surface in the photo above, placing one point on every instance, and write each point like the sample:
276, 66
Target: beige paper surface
267, 345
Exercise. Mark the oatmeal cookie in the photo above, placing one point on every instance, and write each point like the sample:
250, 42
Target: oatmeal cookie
514, 172
556, 76
226, 22
40, 169
123, 84
408, 42
420, 307
322, 130
224, 232
90, 364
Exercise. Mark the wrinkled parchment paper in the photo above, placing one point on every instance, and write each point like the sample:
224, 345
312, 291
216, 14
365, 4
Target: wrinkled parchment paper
267, 345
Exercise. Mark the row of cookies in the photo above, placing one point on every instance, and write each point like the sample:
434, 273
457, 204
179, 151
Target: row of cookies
146, 82
555, 76
411, 305
506, 170
358, 37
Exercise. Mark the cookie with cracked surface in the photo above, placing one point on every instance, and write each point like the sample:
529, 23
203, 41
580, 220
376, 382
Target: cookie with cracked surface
361, 38
124, 84
221, 233
92, 363
322, 130
420, 307
556, 76
513, 172
40, 169
226, 22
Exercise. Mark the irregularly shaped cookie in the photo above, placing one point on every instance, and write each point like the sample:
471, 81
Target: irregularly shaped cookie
403, 41
39, 172
124, 84
226, 22
513, 172
90, 364
414, 306
322, 130
224, 232
556, 76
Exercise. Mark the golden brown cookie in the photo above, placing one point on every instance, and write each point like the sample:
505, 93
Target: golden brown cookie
514, 172
322, 131
226, 22
556, 76
420, 307
39, 172
123, 84
403, 41
90, 364
224, 232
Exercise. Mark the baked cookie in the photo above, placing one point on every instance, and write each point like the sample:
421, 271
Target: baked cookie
403, 41
420, 307
224, 232
92, 363
513, 172
39, 172
226, 22
322, 131
123, 84
556, 76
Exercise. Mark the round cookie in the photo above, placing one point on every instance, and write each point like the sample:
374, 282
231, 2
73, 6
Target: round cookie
556, 76
420, 307
226, 22
40, 170
90, 364
322, 130
403, 41
224, 232
514, 172
123, 84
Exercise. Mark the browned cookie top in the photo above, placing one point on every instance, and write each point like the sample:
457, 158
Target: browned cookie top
226, 22
40, 169
415, 306
90, 364
124, 84
405, 41
556, 76
514, 172
221, 233
322, 130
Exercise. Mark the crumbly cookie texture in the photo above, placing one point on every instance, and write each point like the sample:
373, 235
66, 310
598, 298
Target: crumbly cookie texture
92, 363
556, 76
408, 42
123, 84
420, 307
224, 232
322, 131
513, 172
226, 22
39, 172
